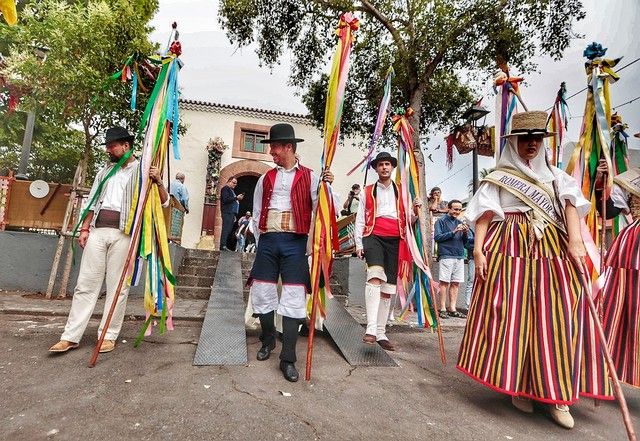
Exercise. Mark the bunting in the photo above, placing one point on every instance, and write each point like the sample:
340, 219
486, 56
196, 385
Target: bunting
325, 234
415, 282
558, 123
9, 12
383, 109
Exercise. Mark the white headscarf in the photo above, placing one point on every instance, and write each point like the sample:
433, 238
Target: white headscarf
537, 169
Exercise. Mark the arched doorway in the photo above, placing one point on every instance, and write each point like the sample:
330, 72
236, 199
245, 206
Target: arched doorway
247, 173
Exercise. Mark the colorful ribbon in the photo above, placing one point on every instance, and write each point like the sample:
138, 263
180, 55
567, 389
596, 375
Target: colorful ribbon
325, 234
415, 282
507, 95
558, 123
383, 108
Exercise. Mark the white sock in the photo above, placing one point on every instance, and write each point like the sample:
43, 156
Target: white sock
372, 303
383, 313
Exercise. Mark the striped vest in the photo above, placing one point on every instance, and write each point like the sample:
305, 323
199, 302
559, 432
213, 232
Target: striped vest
370, 206
301, 204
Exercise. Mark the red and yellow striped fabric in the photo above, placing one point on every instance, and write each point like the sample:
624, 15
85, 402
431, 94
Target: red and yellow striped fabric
528, 331
621, 320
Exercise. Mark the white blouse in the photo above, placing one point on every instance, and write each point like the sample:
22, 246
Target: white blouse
490, 197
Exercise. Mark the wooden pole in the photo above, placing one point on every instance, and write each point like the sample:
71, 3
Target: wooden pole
312, 330
607, 356
66, 272
61, 239
603, 235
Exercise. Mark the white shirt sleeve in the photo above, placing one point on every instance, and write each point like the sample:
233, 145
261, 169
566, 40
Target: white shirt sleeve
568, 190
315, 181
359, 229
257, 208
487, 198
619, 197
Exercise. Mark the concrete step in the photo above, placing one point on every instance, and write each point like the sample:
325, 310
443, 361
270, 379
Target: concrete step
202, 254
193, 292
199, 261
196, 270
195, 280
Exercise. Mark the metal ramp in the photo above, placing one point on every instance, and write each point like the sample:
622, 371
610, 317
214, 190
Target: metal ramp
347, 334
223, 340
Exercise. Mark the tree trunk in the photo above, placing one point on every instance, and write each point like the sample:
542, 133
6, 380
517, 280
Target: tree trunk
415, 101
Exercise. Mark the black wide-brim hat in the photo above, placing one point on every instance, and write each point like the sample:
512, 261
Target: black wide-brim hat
384, 156
281, 133
118, 134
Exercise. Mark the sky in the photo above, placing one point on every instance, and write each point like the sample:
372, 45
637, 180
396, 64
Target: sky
215, 71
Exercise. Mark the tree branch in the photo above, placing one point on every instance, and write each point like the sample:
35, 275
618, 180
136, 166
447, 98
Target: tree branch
368, 7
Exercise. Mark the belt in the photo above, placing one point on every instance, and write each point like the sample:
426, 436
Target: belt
108, 219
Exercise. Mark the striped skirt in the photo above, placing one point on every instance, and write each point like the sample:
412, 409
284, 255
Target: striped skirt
621, 313
528, 330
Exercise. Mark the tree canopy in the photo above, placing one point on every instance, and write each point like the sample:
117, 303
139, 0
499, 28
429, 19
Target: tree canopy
84, 43
438, 49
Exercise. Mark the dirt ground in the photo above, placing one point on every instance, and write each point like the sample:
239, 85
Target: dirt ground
154, 392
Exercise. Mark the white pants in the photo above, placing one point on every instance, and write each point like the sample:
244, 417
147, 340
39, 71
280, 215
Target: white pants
105, 253
292, 303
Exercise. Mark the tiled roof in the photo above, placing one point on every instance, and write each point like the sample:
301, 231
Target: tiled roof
241, 110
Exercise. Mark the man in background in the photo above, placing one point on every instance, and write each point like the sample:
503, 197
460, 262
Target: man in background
179, 190
451, 235
228, 209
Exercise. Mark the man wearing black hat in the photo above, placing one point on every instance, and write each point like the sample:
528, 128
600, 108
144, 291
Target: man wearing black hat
283, 204
380, 228
104, 242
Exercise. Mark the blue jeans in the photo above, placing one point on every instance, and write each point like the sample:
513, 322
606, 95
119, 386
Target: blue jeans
469, 282
241, 240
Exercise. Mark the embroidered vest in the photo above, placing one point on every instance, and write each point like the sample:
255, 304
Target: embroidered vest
370, 206
301, 204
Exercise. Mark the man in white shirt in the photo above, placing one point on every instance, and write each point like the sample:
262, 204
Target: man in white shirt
380, 228
283, 203
104, 242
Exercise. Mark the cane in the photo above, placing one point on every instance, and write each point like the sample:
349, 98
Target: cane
607, 356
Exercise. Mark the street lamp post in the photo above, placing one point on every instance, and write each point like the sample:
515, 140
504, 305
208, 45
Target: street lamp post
41, 54
472, 115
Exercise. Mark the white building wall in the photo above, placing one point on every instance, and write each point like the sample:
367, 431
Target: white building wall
209, 121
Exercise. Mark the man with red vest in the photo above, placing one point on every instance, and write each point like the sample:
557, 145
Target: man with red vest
283, 203
380, 228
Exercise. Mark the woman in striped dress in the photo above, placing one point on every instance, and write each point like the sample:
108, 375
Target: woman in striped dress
528, 332
621, 303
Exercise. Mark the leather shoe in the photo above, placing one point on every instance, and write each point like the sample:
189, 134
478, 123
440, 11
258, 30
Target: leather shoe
561, 415
387, 345
107, 346
265, 351
522, 404
289, 371
369, 339
63, 346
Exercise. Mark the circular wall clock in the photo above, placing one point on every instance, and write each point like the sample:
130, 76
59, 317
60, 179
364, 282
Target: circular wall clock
39, 189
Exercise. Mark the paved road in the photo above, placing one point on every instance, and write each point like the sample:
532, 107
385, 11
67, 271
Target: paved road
153, 392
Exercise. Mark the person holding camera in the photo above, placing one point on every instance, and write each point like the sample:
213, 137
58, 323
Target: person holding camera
353, 201
451, 234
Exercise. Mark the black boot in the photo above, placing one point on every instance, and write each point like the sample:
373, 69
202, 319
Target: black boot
268, 335
288, 353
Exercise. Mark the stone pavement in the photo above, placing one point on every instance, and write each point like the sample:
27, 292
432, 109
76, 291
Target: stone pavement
154, 393
18, 302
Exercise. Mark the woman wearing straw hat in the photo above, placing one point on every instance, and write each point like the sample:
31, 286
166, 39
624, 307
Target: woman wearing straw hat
528, 331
